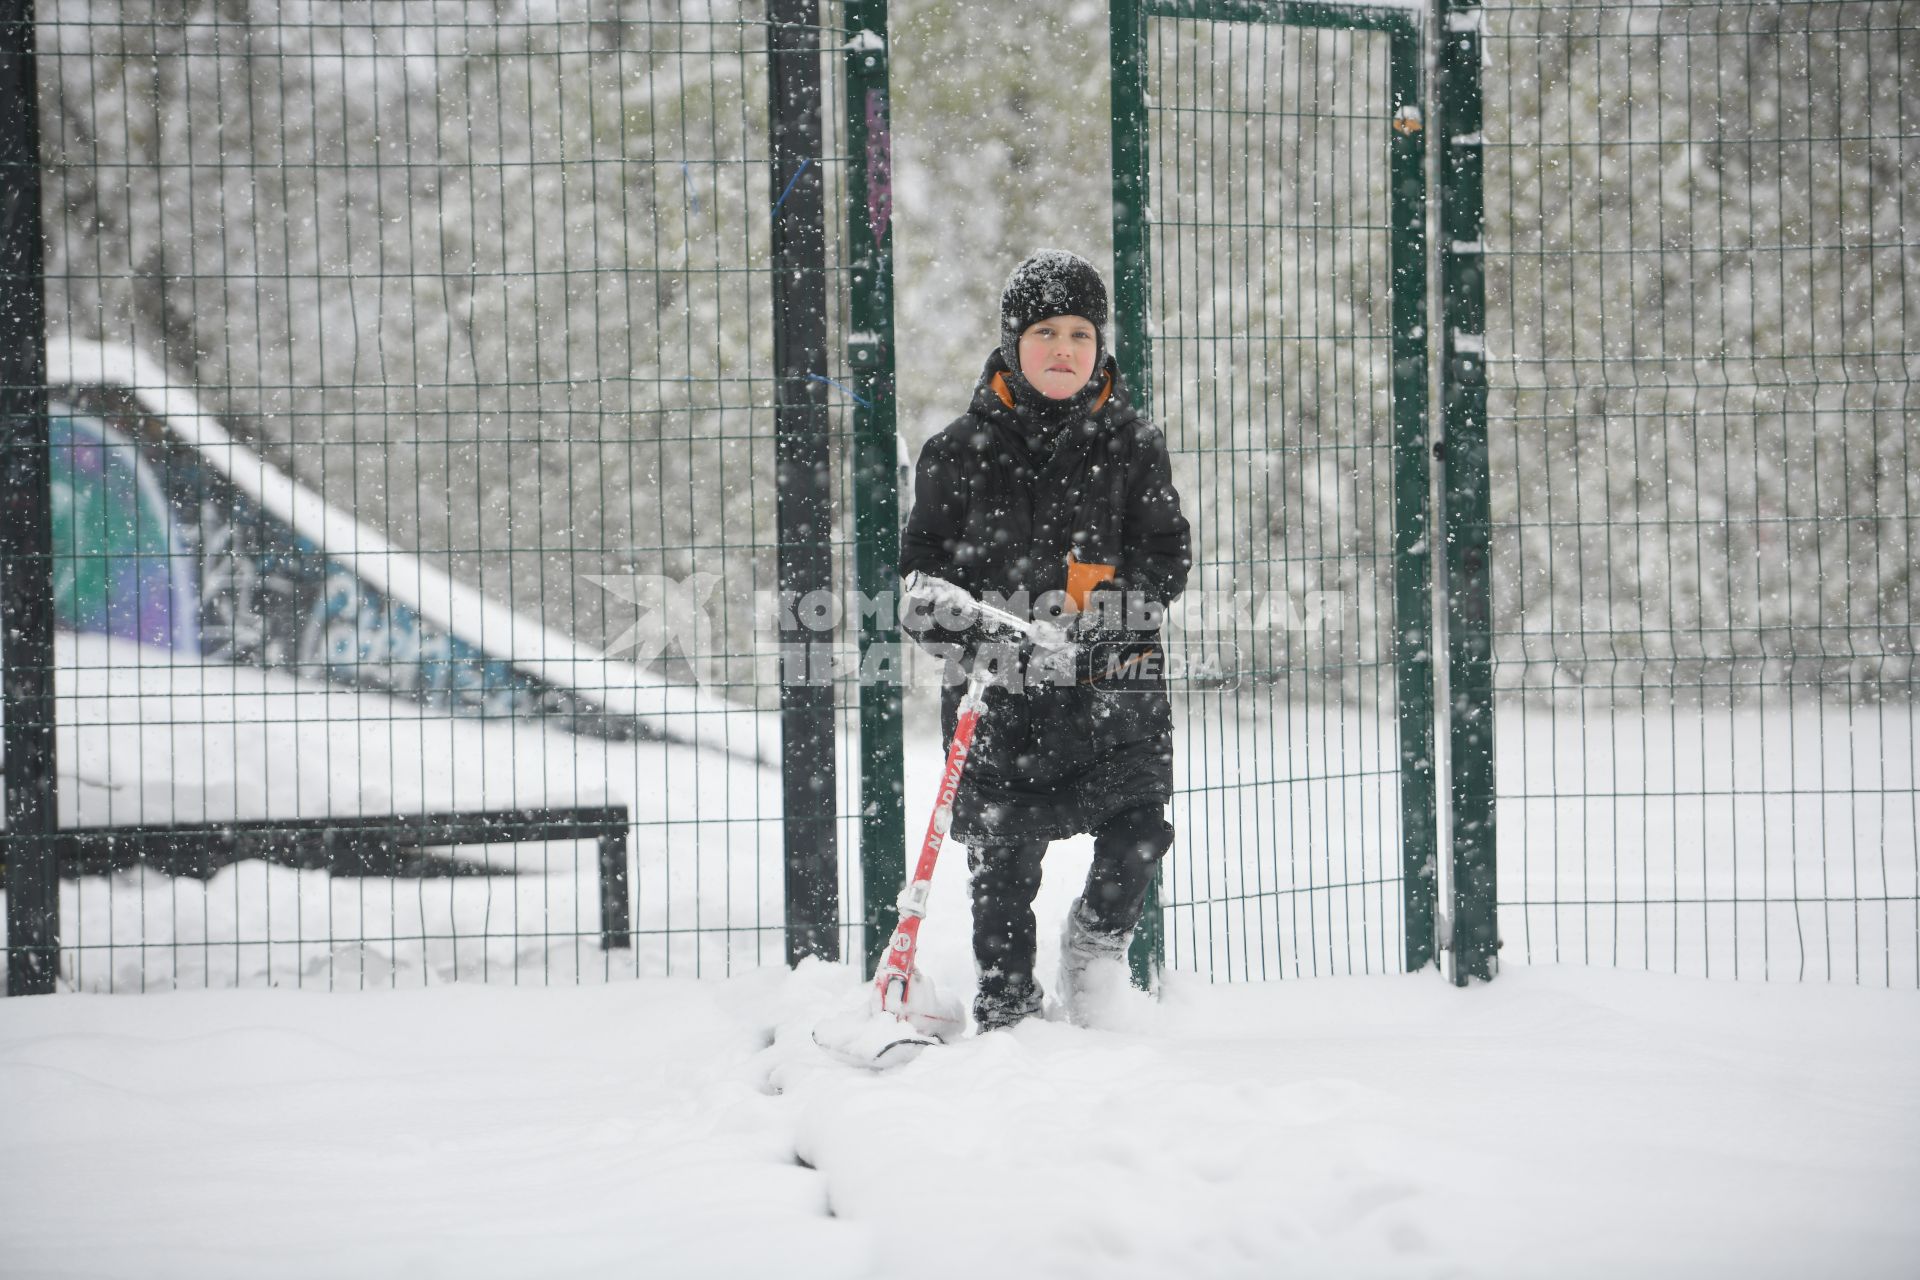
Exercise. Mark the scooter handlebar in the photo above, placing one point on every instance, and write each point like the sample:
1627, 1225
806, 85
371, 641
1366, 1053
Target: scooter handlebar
939, 593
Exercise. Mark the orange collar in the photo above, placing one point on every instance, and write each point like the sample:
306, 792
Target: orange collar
1000, 388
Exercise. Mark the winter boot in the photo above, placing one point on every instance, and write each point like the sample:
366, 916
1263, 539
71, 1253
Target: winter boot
1092, 963
1003, 1001
1006, 876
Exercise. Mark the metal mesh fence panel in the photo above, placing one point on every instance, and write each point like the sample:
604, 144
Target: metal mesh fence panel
1702, 284
1271, 239
413, 453
416, 488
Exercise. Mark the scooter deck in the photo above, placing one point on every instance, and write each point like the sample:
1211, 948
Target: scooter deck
875, 1040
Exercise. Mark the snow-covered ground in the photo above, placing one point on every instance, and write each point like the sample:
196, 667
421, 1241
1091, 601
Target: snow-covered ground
1777, 840
1575, 1121
1560, 1121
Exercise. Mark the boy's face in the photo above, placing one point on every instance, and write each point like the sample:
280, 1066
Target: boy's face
1056, 354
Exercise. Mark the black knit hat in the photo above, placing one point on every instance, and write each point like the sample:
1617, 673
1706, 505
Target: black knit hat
1051, 282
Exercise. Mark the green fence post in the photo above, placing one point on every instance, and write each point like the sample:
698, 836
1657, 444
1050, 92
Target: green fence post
1412, 482
804, 450
1132, 246
883, 853
1469, 596
26, 532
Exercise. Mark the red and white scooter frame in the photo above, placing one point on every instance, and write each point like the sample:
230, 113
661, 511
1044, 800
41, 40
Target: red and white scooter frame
894, 979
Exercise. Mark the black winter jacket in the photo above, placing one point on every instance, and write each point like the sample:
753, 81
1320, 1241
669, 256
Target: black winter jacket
991, 515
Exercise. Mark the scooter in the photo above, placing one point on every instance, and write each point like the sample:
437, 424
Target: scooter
904, 1013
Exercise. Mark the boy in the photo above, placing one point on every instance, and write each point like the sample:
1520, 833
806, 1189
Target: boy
1053, 488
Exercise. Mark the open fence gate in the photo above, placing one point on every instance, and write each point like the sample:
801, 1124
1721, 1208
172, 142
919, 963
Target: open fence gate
1271, 310
1675, 480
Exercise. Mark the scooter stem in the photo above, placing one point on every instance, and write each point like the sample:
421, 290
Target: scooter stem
894, 977
896, 967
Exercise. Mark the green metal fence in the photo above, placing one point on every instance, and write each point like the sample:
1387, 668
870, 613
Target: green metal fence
441, 396
1703, 338
1675, 357
1270, 245
430, 410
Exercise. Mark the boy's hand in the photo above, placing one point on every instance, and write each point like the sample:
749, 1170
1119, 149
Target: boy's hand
1052, 653
1104, 618
1048, 637
1103, 646
949, 606
1055, 665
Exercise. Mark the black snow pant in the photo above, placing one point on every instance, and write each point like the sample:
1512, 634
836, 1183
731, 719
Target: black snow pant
1006, 877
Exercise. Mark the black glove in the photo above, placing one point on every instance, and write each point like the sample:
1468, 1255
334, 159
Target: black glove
1095, 647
